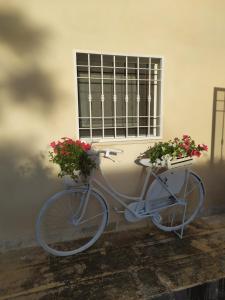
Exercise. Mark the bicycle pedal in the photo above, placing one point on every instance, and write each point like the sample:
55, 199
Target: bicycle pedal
118, 211
157, 218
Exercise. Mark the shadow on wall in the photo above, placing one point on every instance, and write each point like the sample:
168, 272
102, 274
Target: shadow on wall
25, 184
213, 172
213, 176
19, 35
32, 86
27, 81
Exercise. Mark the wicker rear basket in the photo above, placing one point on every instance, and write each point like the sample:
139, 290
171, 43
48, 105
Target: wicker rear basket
180, 162
171, 164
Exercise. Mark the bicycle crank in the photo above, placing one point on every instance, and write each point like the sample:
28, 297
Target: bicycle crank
137, 208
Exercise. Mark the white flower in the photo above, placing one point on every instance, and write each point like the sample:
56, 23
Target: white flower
167, 157
163, 163
76, 172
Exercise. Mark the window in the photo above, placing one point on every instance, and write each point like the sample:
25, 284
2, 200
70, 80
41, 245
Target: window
119, 97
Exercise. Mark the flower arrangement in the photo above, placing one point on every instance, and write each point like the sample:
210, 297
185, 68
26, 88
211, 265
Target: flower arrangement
72, 157
163, 152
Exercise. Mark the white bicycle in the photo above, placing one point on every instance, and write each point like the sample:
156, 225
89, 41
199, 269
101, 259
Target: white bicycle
72, 220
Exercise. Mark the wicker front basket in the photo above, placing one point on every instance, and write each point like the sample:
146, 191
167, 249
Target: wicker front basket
69, 182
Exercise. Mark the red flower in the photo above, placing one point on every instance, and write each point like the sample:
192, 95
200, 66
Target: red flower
84, 146
205, 147
196, 153
186, 146
59, 144
53, 144
78, 142
185, 137
69, 142
187, 142
63, 152
64, 147
189, 152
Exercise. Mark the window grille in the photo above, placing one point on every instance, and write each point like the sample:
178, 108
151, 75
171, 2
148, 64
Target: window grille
118, 96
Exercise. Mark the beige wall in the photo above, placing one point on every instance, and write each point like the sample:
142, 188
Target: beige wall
37, 38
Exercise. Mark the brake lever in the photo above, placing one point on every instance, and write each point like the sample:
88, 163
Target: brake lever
106, 156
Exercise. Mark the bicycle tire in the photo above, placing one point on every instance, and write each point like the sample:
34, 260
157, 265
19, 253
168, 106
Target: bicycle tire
69, 238
167, 219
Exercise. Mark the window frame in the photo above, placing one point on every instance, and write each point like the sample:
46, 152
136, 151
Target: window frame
118, 139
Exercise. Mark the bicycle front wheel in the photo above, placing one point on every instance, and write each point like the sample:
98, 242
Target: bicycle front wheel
67, 226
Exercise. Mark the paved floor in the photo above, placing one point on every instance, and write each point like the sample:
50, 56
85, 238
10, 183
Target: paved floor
132, 265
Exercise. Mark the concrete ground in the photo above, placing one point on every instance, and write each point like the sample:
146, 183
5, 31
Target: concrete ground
138, 264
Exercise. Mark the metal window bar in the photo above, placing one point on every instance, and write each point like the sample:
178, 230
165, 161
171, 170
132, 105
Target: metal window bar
77, 113
222, 135
149, 95
138, 96
153, 69
121, 79
129, 68
155, 98
102, 97
118, 117
112, 127
160, 66
114, 94
89, 95
126, 97
151, 117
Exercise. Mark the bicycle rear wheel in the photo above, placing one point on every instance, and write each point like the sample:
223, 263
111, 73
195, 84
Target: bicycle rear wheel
189, 191
62, 229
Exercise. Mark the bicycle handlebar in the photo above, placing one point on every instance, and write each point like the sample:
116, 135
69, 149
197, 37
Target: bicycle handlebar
107, 152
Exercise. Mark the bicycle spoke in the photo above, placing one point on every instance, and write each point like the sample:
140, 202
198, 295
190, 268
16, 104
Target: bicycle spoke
186, 184
92, 218
173, 216
195, 187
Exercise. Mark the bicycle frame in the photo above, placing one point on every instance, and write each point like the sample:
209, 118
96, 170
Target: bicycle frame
107, 187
